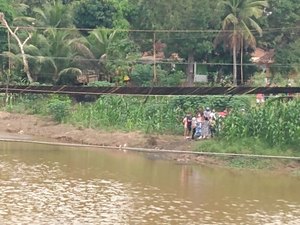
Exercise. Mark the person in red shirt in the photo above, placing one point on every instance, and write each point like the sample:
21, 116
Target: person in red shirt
260, 98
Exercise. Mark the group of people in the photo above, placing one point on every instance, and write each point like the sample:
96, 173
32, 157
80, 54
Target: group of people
202, 125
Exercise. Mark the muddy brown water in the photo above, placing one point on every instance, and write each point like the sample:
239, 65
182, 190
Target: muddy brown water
41, 184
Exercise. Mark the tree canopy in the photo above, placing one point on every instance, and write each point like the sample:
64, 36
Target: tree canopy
89, 14
240, 17
109, 36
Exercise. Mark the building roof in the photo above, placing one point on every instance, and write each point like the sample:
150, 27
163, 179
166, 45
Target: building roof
261, 56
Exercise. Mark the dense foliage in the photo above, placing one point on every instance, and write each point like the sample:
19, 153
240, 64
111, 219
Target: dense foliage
96, 13
148, 114
283, 33
106, 36
64, 40
276, 123
8, 10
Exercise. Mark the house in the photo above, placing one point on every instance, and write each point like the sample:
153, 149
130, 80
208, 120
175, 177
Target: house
264, 59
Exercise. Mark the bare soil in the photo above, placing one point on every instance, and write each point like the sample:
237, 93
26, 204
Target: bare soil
32, 127
43, 128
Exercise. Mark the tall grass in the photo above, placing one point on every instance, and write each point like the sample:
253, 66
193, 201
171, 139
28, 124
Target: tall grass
147, 114
150, 115
277, 123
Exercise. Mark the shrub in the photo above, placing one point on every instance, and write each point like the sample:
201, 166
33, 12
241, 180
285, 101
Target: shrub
59, 107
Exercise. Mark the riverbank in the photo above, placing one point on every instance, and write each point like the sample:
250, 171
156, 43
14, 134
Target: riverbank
43, 128
36, 128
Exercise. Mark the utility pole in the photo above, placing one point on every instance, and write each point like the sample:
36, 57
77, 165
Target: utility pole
8, 73
154, 59
8, 45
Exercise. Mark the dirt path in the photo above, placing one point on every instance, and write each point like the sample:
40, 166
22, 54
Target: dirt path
41, 128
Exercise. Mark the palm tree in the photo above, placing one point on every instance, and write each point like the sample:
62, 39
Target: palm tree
37, 50
51, 55
61, 51
236, 30
94, 50
53, 14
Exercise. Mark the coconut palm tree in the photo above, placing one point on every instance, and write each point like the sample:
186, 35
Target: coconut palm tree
53, 14
51, 55
93, 50
61, 51
37, 50
236, 30
49, 50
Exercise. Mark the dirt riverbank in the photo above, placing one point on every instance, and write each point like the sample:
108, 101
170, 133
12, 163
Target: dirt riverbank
43, 128
32, 127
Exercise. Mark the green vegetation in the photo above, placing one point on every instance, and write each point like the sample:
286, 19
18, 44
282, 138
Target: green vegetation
239, 20
67, 39
106, 38
148, 114
269, 129
59, 108
246, 146
276, 123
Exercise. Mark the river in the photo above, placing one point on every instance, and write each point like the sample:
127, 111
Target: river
46, 184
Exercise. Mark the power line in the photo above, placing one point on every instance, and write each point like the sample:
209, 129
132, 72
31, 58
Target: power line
165, 38
147, 30
141, 61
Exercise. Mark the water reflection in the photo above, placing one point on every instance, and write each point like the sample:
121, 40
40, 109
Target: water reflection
56, 185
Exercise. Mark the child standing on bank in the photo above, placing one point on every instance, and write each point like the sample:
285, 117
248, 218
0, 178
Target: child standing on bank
187, 124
